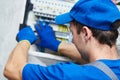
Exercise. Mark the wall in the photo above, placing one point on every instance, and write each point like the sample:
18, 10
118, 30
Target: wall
11, 14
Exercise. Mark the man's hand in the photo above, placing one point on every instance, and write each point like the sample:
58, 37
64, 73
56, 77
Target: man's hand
47, 36
26, 34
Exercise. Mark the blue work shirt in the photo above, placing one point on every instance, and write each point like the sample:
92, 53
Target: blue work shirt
69, 71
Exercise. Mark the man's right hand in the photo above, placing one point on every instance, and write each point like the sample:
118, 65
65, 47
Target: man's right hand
47, 36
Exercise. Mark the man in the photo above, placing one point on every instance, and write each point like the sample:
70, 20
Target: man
94, 25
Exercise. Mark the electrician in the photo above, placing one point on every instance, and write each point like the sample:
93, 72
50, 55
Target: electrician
94, 25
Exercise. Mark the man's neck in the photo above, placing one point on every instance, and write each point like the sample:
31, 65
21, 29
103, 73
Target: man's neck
104, 52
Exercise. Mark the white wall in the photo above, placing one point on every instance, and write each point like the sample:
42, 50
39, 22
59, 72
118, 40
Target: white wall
11, 14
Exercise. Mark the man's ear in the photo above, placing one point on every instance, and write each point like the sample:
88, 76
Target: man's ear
87, 33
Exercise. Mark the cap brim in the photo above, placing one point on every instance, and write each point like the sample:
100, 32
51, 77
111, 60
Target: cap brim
63, 18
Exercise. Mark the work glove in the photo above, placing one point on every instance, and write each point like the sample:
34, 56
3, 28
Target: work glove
26, 34
47, 36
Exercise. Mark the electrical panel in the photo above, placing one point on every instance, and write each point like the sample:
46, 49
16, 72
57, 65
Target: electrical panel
51, 8
46, 11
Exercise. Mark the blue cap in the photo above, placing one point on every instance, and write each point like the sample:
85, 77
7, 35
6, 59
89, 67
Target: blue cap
99, 14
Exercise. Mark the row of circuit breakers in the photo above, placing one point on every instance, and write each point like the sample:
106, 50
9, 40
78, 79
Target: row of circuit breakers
47, 10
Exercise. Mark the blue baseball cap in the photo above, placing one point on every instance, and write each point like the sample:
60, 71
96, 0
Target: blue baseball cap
99, 14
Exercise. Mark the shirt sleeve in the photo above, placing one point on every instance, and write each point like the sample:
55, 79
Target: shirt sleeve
37, 72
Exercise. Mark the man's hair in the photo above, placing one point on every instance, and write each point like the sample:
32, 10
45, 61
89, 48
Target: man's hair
103, 36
